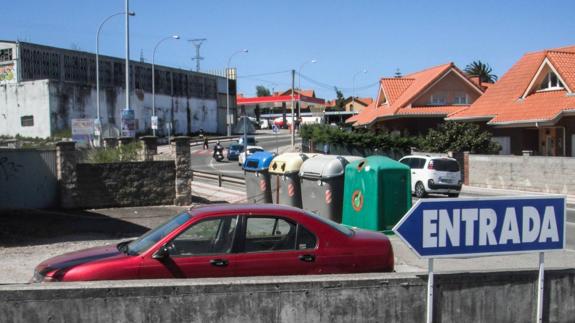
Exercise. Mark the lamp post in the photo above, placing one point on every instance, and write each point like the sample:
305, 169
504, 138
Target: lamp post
313, 61
228, 123
353, 92
154, 78
98, 117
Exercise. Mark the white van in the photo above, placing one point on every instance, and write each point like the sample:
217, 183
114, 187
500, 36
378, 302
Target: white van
433, 175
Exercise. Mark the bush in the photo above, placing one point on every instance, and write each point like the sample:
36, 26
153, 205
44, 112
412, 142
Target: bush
124, 153
457, 136
360, 138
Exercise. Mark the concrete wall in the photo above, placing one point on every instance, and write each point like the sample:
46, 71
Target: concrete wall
18, 100
125, 184
53, 104
459, 297
527, 173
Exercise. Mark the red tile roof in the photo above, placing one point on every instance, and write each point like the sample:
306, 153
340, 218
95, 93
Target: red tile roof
400, 92
502, 103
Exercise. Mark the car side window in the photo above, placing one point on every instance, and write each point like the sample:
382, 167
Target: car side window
305, 239
269, 234
406, 161
417, 163
211, 236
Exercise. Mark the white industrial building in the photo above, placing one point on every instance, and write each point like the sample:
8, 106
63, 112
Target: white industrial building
43, 88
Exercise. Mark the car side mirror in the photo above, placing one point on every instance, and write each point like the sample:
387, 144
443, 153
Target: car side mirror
162, 253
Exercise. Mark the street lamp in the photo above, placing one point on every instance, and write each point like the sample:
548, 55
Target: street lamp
154, 78
229, 125
313, 61
353, 92
98, 118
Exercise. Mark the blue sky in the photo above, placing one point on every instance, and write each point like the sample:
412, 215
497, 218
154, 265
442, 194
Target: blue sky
344, 36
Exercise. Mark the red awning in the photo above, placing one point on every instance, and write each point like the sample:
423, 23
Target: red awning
278, 99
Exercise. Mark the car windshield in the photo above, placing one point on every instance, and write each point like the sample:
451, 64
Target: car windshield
345, 230
151, 237
236, 147
445, 165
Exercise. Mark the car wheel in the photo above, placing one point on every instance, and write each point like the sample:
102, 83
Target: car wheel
420, 190
453, 194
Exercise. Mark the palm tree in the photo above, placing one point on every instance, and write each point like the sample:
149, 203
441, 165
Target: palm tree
481, 70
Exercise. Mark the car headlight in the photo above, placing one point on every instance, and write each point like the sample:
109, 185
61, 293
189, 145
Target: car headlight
39, 278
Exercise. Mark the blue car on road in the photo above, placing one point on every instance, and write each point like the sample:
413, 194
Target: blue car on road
234, 151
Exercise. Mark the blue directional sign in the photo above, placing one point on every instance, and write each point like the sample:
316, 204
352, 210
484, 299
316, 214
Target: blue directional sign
472, 227
275, 129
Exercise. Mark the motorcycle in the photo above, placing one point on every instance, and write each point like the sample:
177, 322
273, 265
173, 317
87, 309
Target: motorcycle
218, 155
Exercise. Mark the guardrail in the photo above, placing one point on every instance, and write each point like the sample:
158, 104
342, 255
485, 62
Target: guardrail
219, 177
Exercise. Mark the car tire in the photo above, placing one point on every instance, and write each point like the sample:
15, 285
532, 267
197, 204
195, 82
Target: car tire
453, 194
420, 190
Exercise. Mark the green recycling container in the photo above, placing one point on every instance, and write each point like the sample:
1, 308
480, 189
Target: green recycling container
377, 193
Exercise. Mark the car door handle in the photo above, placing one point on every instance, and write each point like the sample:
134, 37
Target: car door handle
307, 258
219, 262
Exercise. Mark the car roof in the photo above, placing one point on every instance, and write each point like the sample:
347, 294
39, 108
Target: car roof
428, 157
242, 208
255, 147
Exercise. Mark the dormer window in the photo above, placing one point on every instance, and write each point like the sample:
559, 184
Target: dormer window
550, 82
438, 99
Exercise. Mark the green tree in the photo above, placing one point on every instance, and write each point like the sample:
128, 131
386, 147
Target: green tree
458, 136
481, 70
262, 91
339, 99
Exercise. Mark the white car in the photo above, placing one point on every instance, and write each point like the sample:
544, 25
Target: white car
433, 175
250, 150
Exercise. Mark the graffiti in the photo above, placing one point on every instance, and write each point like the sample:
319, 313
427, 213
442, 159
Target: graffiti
8, 169
7, 73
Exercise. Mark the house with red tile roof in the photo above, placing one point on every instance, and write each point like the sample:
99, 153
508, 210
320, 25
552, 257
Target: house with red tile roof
532, 106
413, 103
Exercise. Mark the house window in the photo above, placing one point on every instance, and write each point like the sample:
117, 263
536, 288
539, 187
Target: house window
438, 99
461, 98
27, 121
551, 82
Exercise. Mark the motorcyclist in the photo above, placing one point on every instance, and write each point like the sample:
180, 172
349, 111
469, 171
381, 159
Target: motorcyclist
218, 148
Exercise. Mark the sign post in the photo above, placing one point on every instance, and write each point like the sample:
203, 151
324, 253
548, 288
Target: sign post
275, 131
464, 228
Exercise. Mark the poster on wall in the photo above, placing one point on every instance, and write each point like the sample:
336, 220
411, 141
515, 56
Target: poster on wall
8, 73
128, 123
83, 131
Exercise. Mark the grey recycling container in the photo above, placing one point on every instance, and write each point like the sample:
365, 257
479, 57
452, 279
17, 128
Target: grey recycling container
284, 173
322, 184
258, 186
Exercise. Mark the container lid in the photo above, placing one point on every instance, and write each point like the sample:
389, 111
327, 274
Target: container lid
287, 163
377, 163
258, 161
325, 166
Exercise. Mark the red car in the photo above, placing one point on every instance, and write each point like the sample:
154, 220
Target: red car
229, 240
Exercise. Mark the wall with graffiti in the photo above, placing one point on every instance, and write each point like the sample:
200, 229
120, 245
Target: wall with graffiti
8, 73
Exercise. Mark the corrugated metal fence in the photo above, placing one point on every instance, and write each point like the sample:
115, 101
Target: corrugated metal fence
28, 178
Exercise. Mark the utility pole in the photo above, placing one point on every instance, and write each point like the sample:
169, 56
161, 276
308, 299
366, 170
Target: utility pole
292, 109
197, 42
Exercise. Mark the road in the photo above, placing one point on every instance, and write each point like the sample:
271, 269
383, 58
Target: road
202, 159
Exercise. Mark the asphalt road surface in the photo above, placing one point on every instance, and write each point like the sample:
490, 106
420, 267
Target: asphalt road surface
202, 159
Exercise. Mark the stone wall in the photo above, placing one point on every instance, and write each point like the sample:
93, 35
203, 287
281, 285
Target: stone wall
526, 173
125, 184
392, 297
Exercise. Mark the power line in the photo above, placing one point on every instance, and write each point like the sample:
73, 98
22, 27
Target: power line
331, 86
263, 74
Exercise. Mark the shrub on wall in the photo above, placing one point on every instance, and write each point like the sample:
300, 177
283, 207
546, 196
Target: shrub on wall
458, 136
124, 153
360, 138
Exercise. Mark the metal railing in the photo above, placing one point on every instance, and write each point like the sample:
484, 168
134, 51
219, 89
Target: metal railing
221, 178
